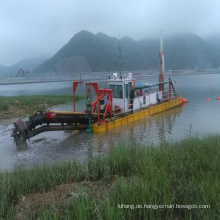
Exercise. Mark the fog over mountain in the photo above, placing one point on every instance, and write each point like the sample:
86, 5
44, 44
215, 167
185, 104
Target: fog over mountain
87, 52
40, 28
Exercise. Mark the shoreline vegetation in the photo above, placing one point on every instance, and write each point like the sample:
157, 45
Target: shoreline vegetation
22, 106
186, 173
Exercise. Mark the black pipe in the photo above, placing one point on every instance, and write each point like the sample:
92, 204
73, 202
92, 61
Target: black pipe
45, 128
40, 119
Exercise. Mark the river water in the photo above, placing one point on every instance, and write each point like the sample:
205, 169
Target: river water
198, 117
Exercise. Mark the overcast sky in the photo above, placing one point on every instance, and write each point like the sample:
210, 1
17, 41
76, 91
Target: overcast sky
32, 28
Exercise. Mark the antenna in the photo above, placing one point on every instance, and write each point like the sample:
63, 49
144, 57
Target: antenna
119, 55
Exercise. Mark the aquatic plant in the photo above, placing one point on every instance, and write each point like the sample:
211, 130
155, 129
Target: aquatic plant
180, 173
16, 106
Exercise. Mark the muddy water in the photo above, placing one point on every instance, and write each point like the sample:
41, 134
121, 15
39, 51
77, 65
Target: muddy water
199, 117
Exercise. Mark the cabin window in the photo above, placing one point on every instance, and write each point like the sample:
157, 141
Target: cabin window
117, 91
129, 87
144, 100
126, 90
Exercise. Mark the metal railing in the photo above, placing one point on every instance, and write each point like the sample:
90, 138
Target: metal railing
125, 105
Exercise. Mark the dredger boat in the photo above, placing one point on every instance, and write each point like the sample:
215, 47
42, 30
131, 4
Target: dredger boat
121, 103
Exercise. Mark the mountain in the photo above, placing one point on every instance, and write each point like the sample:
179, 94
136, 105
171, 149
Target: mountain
27, 65
84, 52
188, 50
214, 43
2, 68
87, 52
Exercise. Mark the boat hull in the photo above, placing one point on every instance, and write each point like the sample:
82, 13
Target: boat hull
137, 116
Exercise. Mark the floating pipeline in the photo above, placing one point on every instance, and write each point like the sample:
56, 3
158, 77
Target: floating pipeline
184, 100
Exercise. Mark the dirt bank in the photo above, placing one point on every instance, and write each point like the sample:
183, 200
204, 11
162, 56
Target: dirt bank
61, 196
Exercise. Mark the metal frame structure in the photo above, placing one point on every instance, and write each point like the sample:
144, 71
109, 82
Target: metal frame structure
75, 84
100, 94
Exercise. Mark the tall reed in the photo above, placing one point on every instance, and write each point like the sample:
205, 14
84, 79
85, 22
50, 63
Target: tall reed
183, 173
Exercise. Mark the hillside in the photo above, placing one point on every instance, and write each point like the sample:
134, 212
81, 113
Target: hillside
28, 64
214, 43
186, 51
2, 69
87, 52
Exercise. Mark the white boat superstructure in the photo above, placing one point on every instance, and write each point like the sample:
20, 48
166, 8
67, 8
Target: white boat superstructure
122, 100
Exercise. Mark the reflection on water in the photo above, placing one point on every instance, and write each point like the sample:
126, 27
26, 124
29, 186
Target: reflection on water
198, 117
153, 129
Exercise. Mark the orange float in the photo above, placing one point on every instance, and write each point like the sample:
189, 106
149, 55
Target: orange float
184, 100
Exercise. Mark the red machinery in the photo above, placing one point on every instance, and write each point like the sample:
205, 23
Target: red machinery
101, 93
66, 120
75, 84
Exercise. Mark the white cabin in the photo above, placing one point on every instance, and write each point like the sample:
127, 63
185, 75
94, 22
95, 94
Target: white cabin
121, 94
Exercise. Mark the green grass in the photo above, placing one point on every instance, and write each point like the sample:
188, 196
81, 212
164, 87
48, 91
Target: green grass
24, 105
36, 100
186, 172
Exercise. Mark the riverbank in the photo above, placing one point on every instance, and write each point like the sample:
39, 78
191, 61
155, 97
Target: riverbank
116, 186
96, 76
22, 106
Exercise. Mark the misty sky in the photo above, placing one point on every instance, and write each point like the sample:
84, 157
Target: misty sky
32, 28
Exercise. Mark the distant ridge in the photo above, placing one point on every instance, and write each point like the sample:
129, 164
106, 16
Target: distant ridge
28, 65
87, 52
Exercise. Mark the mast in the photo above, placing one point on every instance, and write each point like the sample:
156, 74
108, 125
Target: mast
161, 55
119, 56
